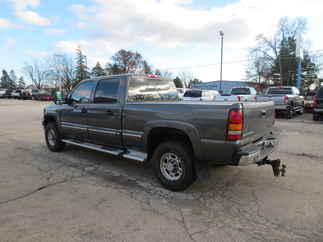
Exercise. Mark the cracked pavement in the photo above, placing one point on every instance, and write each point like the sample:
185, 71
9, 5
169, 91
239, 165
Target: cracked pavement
82, 195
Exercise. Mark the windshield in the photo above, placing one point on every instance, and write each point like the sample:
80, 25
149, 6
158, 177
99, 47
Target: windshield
193, 93
151, 89
240, 91
282, 91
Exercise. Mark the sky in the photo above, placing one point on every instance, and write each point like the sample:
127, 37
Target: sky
173, 35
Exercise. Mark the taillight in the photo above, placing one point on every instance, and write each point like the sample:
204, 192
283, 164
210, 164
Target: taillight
239, 98
286, 100
235, 125
314, 101
255, 98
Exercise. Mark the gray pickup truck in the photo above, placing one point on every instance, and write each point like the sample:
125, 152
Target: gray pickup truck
287, 100
139, 117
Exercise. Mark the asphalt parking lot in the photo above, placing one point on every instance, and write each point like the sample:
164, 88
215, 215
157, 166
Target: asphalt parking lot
82, 195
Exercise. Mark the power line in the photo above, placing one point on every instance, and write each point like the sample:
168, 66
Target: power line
206, 65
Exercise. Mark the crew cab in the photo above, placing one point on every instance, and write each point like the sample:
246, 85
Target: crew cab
139, 117
287, 100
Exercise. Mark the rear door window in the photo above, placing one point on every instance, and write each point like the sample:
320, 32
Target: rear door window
240, 91
280, 91
107, 91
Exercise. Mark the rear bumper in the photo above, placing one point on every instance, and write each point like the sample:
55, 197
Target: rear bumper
257, 152
318, 110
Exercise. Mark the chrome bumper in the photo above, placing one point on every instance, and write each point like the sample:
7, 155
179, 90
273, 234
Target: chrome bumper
263, 150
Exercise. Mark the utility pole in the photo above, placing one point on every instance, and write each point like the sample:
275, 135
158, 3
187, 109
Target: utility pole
221, 34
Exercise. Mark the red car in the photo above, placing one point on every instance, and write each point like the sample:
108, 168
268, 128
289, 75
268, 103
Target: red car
44, 96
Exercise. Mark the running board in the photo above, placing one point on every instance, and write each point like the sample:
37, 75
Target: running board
128, 154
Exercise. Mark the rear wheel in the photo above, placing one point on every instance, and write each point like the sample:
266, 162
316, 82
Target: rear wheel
173, 165
52, 137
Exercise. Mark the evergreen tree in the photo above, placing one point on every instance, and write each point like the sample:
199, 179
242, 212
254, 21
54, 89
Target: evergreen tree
81, 71
178, 82
21, 83
5, 80
97, 70
13, 79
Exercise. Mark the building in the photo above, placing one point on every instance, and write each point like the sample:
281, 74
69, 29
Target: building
226, 86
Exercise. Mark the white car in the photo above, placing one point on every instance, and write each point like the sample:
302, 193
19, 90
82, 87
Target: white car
2, 92
201, 95
241, 94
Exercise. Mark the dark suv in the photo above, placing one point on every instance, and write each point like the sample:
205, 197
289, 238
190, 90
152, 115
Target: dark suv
318, 105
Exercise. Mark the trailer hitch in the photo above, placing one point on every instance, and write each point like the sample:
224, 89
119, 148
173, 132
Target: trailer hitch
278, 169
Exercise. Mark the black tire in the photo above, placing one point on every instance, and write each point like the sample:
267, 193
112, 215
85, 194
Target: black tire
316, 117
289, 114
185, 157
53, 143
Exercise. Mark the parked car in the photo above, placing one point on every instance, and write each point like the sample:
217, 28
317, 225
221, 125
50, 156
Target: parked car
244, 93
138, 117
16, 94
8, 93
240, 94
287, 100
201, 95
318, 105
26, 94
2, 92
43, 96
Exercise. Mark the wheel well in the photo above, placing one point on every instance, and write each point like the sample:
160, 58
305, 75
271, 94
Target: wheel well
159, 135
49, 119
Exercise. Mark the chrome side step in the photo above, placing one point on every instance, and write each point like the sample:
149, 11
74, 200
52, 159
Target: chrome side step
128, 154
135, 155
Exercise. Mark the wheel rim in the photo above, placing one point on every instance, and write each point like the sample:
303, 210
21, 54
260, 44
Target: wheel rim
51, 137
171, 166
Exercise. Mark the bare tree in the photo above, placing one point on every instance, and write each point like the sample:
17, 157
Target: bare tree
166, 74
186, 77
37, 73
63, 71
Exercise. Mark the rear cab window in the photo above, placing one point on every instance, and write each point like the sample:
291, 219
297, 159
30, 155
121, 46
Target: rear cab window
280, 91
150, 89
240, 91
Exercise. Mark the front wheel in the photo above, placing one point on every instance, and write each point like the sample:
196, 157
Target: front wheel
52, 137
173, 165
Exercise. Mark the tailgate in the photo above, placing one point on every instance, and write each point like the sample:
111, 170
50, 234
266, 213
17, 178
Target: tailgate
259, 119
277, 99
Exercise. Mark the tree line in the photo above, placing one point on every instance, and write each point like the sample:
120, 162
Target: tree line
65, 72
275, 58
